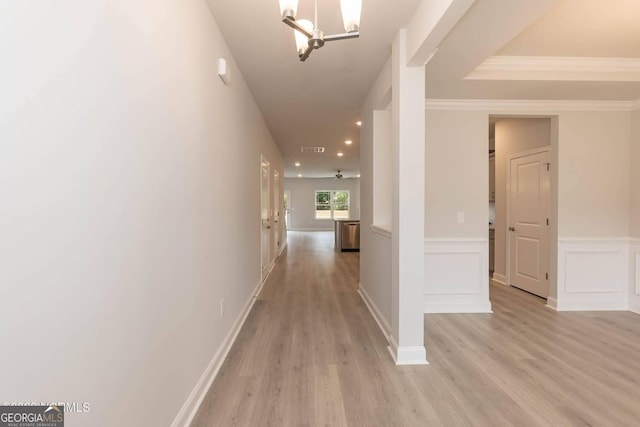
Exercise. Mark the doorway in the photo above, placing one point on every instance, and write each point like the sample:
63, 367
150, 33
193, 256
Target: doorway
287, 209
265, 208
521, 205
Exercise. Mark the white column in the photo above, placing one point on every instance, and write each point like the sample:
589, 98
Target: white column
408, 93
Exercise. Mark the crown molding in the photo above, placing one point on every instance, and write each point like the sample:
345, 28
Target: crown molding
514, 106
554, 68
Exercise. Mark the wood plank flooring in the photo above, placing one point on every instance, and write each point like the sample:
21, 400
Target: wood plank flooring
310, 354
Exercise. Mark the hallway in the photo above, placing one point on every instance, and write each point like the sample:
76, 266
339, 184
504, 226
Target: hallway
311, 354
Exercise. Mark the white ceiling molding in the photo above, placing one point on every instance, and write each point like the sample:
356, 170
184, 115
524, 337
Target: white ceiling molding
529, 106
555, 68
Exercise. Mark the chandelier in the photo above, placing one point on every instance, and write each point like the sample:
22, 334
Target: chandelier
308, 35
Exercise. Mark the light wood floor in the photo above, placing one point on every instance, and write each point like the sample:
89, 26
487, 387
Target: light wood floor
310, 354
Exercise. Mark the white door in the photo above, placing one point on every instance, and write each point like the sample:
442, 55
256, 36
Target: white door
264, 214
287, 209
276, 213
529, 207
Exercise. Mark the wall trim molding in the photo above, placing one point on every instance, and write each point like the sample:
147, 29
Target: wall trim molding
456, 275
557, 68
382, 230
407, 355
454, 240
529, 106
637, 271
382, 323
552, 303
594, 240
190, 408
593, 274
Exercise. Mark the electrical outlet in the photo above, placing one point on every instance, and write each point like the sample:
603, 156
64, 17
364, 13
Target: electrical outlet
221, 308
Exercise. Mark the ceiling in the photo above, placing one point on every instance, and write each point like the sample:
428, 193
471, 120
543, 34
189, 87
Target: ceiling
317, 102
496, 51
540, 50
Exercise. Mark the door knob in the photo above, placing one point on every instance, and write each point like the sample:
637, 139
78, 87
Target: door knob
512, 229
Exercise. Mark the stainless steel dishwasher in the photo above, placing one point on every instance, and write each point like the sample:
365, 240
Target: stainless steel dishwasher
350, 235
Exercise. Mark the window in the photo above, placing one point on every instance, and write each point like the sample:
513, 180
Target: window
332, 204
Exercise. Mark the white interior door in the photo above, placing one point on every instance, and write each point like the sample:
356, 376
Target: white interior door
276, 213
287, 209
529, 207
265, 219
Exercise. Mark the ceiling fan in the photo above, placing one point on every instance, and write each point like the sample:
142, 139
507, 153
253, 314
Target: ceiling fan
339, 175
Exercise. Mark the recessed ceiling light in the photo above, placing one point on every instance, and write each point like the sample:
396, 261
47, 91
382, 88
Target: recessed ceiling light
348, 142
297, 164
359, 123
340, 154
299, 175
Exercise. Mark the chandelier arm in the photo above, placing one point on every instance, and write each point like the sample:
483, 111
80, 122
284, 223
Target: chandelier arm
306, 54
293, 24
343, 36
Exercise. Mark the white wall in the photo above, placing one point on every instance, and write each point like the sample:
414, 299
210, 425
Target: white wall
129, 188
456, 182
512, 136
375, 248
594, 174
302, 203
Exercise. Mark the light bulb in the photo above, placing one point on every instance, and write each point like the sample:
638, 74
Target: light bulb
289, 6
302, 41
351, 10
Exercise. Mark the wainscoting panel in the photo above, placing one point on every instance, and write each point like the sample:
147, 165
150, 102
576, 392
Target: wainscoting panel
593, 274
456, 276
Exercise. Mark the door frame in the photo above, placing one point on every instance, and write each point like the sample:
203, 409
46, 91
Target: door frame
553, 217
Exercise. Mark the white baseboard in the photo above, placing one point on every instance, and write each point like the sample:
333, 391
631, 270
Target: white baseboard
190, 408
500, 279
593, 274
552, 303
407, 355
375, 312
480, 306
456, 275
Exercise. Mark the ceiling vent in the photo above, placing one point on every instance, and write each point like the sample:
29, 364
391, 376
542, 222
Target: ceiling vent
312, 149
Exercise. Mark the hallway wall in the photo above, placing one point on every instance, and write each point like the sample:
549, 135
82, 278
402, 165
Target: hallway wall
129, 180
375, 243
